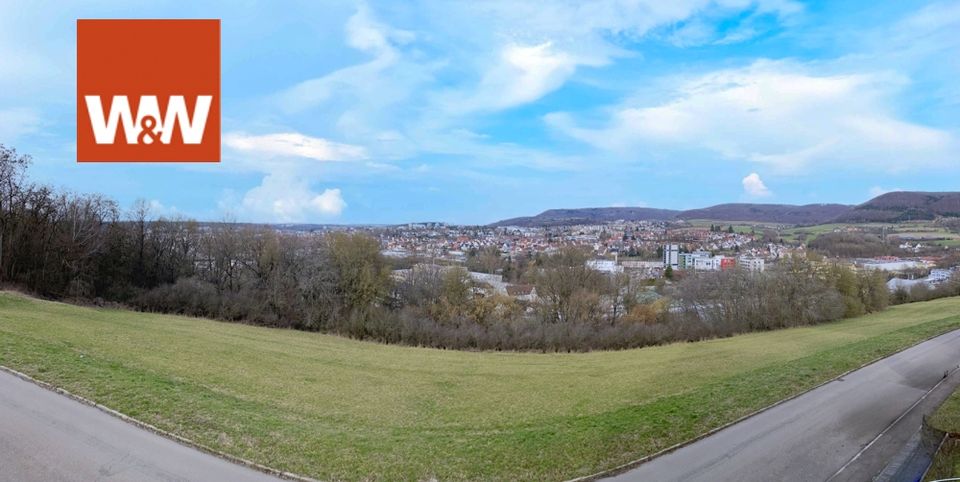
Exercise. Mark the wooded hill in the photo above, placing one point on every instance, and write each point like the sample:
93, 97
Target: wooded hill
889, 207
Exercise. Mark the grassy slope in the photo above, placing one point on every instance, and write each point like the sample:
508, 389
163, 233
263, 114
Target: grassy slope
947, 418
335, 408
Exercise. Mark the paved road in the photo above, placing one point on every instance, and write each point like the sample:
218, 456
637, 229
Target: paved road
45, 436
846, 430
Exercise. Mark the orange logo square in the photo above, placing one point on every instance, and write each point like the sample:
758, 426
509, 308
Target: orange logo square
148, 90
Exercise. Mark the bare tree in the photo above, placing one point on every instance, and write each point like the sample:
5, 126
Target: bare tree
12, 171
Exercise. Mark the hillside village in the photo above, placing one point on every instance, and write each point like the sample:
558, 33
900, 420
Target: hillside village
648, 250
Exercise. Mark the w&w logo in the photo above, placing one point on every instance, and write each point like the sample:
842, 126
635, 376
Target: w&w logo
164, 106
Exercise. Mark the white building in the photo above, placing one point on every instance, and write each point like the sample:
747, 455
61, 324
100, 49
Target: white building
939, 275
395, 253
634, 264
605, 266
494, 280
706, 263
906, 284
901, 265
936, 277
687, 260
752, 264
671, 255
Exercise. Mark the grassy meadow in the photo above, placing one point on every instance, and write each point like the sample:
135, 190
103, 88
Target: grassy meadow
946, 464
334, 408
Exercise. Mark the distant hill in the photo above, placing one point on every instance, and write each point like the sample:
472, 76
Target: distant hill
905, 206
890, 207
770, 213
565, 217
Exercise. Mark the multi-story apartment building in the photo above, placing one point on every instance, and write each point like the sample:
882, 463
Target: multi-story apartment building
751, 263
671, 256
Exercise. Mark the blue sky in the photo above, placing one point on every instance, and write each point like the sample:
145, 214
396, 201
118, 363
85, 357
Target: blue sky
469, 112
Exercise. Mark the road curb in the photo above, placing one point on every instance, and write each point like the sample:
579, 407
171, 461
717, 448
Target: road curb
635, 463
163, 433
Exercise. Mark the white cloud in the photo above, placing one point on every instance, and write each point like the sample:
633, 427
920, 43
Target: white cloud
330, 202
753, 186
285, 193
936, 22
601, 22
374, 102
778, 113
366, 33
157, 208
295, 145
478, 58
383, 76
282, 198
522, 74
540, 45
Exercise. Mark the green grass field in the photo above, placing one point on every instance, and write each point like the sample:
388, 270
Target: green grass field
916, 228
949, 243
947, 418
334, 408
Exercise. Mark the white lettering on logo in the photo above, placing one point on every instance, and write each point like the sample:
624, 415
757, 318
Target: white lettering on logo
191, 126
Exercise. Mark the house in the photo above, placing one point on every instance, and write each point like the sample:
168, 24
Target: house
940, 275
752, 264
522, 292
494, 281
605, 266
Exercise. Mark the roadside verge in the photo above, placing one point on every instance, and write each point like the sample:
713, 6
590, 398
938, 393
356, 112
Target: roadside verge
158, 431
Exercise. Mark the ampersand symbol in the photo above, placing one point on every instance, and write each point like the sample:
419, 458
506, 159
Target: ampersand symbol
147, 125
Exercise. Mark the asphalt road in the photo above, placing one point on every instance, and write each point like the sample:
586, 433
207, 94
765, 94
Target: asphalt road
846, 430
45, 436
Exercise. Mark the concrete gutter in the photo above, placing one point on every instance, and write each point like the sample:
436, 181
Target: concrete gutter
916, 457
